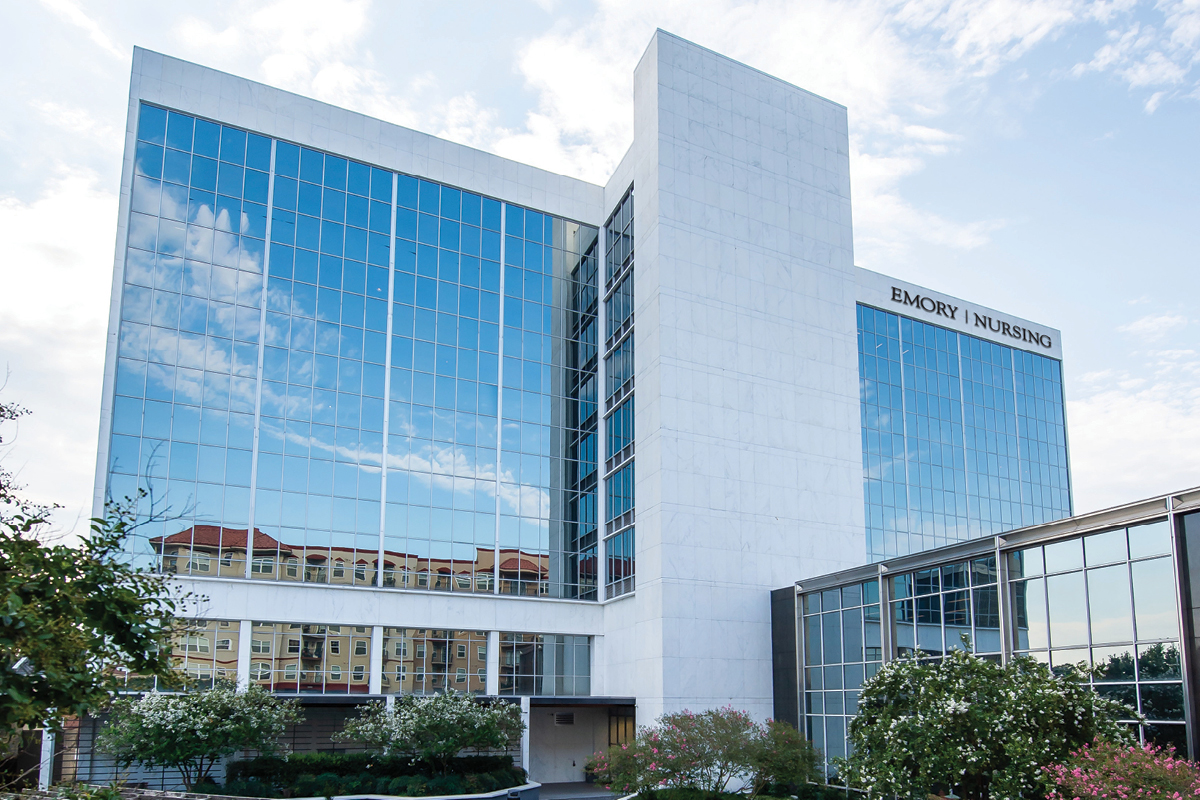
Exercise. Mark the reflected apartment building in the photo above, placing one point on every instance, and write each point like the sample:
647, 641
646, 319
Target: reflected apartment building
415, 417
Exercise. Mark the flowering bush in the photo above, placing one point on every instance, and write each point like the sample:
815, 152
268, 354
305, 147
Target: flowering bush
1108, 770
969, 724
706, 752
191, 732
435, 728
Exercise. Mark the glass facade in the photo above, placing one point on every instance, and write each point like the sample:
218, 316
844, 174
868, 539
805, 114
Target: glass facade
545, 665
1107, 599
389, 381
421, 661
961, 437
290, 658
619, 402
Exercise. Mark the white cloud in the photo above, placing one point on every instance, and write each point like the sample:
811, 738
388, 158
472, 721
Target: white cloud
1153, 327
52, 335
72, 14
1136, 437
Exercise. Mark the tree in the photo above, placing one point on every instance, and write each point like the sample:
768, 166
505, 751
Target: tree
971, 725
434, 729
191, 732
708, 752
73, 616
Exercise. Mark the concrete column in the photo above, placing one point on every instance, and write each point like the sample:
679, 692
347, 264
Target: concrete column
525, 736
243, 663
492, 676
596, 669
375, 681
46, 766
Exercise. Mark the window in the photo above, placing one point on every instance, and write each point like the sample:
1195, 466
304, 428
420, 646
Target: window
339, 568
260, 645
262, 565
360, 672
293, 567
461, 651
195, 644
260, 671
360, 647
360, 572
420, 651
289, 672
293, 646
199, 562
401, 649
422, 579
335, 673
360, 628
227, 558
401, 673
460, 675
483, 653
482, 676
335, 647
224, 644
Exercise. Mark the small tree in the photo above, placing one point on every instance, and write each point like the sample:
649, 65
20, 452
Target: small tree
983, 729
707, 752
1109, 770
434, 729
192, 732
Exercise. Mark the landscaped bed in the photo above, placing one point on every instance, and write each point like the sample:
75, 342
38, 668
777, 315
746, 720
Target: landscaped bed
332, 774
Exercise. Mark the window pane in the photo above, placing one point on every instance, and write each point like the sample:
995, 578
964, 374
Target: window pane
1029, 602
1154, 599
1105, 548
1068, 618
1115, 663
1149, 540
1108, 601
1159, 661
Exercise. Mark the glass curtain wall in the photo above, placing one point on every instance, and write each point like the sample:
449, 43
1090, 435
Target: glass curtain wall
427, 661
619, 402
290, 658
545, 665
962, 437
384, 336
1107, 599
183, 414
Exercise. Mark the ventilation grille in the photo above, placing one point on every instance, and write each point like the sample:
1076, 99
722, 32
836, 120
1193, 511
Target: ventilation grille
564, 717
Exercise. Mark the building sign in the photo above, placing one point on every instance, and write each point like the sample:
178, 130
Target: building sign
943, 309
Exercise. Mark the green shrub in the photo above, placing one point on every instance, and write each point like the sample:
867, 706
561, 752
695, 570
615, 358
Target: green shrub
280, 772
446, 784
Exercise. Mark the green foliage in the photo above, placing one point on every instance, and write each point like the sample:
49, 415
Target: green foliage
77, 791
282, 772
1110, 770
704, 752
191, 732
78, 614
310, 774
969, 724
435, 728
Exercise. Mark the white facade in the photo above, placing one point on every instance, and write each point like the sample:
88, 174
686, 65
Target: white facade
747, 402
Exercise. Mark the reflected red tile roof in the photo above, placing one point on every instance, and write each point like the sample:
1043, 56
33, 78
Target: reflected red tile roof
522, 564
215, 536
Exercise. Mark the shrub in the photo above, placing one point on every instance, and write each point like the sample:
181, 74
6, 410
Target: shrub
280, 772
704, 753
966, 723
436, 728
1109, 770
192, 732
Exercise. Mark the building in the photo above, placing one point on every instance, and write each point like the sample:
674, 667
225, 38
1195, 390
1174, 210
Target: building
389, 394
1111, 589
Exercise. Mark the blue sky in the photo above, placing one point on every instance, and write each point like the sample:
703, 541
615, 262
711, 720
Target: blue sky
1037, 157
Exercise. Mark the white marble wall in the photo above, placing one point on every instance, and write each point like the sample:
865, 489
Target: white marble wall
748, 453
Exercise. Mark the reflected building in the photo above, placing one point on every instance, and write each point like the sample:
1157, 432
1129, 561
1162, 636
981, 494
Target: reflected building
416, 418
1112, 589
